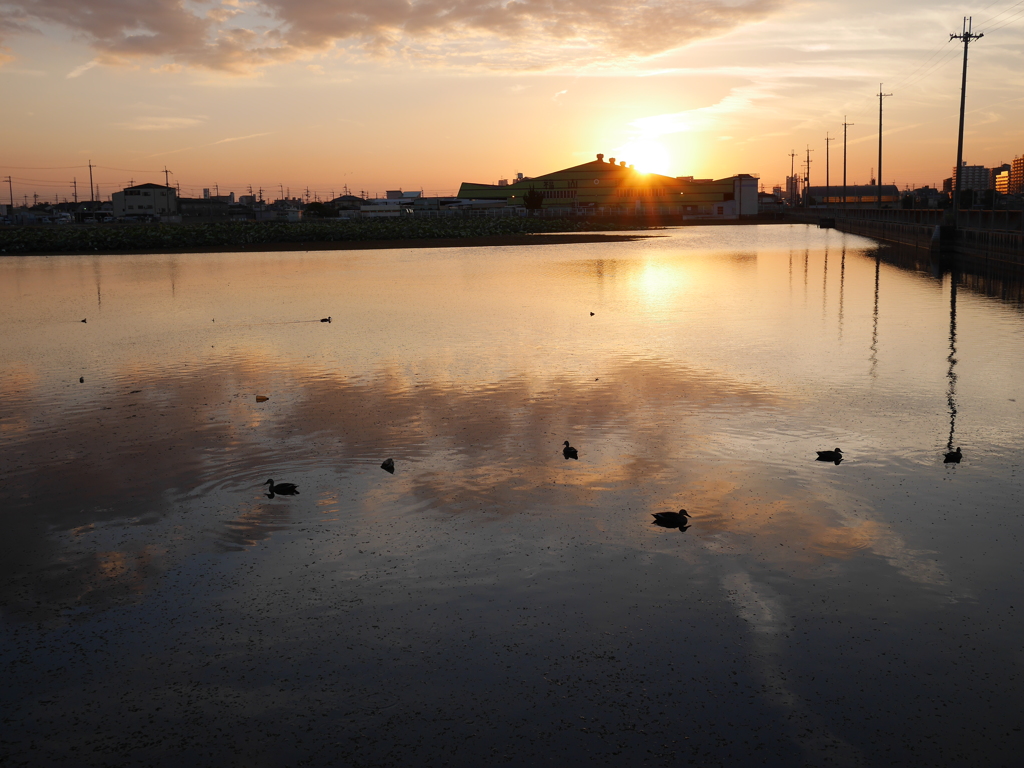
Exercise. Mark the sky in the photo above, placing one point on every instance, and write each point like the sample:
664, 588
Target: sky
290, 95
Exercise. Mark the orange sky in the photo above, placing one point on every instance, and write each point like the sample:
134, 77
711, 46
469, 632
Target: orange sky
425, 94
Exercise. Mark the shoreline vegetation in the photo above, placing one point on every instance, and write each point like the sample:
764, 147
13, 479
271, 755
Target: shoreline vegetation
310, 235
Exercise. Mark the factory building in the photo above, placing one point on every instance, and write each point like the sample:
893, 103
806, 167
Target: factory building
615, 187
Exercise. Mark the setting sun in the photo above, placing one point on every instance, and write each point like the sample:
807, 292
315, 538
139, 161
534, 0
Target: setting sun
648, 155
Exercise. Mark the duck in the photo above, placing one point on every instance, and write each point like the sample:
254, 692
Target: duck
388, 466
569, 452
282, 489
836, 456
325, 319
672, 519
85, 320
953, 457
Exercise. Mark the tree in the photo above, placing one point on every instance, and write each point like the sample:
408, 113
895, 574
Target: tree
533, 200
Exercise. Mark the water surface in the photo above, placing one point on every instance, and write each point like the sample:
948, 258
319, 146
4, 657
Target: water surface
492, 602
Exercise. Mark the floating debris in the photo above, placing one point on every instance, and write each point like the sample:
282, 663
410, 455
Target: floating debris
388, 466
261, 398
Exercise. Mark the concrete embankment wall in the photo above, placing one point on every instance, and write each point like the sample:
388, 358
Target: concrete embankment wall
924, 229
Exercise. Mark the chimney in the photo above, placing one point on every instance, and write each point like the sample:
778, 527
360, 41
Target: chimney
600, 158
611, 160
622, 163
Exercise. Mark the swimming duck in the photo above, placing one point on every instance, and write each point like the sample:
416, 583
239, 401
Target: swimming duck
325, 319
569, 452
282, 489
672, 519
836, 456
953, 457
388, 466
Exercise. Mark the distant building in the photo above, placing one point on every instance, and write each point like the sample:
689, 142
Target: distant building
1016, 182
975, 177
993, 174
202, 210
617, 187
858, 196
1002, 183
144, 201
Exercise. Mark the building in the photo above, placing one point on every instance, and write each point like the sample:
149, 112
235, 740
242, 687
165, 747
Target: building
856, 196
993, 174
615, 187
1002, 183
975, 177
145, 201
1016, 182
203, 210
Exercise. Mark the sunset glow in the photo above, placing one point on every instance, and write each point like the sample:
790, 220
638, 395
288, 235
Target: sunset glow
294, 95
647, 155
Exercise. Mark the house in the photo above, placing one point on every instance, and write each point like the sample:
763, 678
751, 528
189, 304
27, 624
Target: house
145, 201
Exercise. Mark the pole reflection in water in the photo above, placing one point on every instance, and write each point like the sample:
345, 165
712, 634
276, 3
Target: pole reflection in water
824, 287
874, 320
490, 602
842, 286
954, 278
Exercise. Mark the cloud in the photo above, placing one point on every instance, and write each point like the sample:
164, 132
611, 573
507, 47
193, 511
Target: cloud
84, 68
162, 123
497, 34
240, 138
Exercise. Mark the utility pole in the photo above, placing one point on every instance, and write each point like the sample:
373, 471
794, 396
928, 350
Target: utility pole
792, 177
167, 177
845, 124
967, 37
807, 176
10, 188
92, 192
827, 140
74, 184
880, 97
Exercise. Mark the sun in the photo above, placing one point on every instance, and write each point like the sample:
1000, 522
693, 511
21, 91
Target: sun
647, 155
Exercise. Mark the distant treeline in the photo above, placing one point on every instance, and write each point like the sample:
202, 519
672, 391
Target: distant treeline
114, 238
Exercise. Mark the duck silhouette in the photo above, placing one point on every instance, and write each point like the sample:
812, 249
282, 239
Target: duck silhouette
836, 456
388, 466
281, 489
569, 452
953, 457
325, 319
672, 519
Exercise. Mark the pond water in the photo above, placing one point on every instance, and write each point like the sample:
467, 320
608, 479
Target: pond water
492, 602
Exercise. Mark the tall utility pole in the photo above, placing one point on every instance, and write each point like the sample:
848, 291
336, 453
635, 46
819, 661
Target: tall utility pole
827, 139
92, 192
967, 37
879, 187
793, 177
167, 177
10, 188
807, 175
845, 124
74, 184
